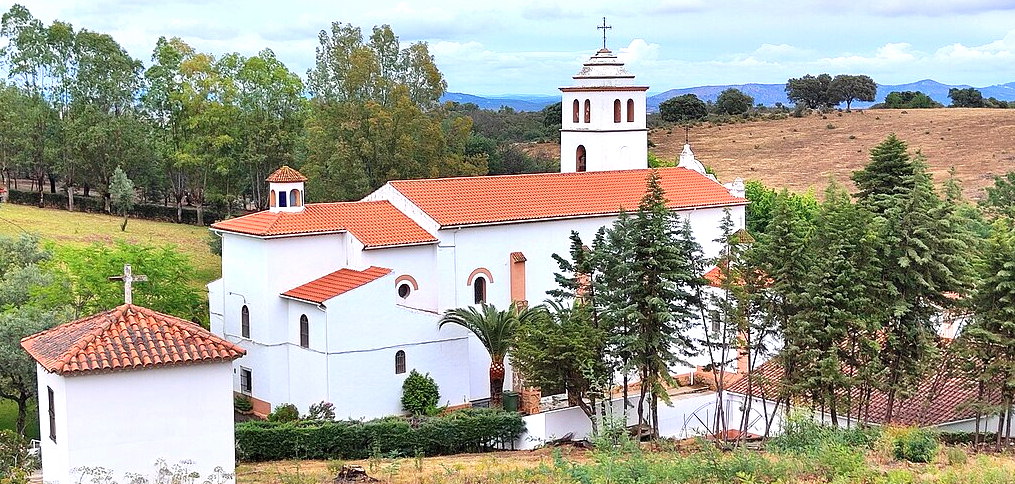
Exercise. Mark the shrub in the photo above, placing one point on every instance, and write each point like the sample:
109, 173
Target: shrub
915, 445
242, 403
803, 435
285, 412
419, 394
321, 411
956, 456
468, 430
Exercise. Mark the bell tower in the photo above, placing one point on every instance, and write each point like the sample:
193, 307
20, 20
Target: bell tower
286, 190
603, 117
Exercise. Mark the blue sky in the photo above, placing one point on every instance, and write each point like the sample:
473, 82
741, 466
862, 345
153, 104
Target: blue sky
533, 47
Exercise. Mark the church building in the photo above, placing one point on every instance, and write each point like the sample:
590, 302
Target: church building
337, 302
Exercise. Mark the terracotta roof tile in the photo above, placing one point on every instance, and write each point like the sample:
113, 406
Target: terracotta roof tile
338, 282
285, 175
126, 338
505, 198
376, 224
942, 396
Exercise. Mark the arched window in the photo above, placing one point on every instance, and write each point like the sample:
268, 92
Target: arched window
579, 158
479, 290
616, 110
404, 289
245, 321
304, 331
630, 110
271, 199
282, 198
588, 111
294, 198
399, 362
577, 110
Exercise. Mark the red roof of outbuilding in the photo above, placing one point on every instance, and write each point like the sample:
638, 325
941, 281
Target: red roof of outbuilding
285, 175
126, 338
376, 224
338, 282
507, 198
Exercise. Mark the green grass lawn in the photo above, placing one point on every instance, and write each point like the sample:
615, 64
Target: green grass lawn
9, 418
79, 229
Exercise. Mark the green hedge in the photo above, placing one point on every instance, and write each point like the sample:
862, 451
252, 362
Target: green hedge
97, 205
469, 430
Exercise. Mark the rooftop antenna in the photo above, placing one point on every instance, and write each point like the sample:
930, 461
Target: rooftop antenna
604, 27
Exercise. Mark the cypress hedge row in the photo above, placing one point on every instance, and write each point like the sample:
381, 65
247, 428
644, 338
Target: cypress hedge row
97, 205
469, 430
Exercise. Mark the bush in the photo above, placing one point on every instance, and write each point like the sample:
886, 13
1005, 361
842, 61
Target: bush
321, 411
468, 430
915, 445
419, 394
285, 412
242, 403
803, 435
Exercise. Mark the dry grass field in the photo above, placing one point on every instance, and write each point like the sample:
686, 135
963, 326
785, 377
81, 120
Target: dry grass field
802, 153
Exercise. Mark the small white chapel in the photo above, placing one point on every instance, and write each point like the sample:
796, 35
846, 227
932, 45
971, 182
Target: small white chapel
338, 302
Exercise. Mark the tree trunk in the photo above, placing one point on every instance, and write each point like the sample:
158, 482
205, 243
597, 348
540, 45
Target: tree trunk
70, 198
22, 414
497, 381
200, 222
1000, 431
52, 183
641, 405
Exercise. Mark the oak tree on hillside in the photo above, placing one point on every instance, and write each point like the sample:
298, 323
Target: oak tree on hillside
810, 91
685, 108
847, 88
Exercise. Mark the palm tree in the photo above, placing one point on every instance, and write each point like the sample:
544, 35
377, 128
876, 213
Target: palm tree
496, 330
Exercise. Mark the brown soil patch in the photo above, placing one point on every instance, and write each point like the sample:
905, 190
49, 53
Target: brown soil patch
803, 153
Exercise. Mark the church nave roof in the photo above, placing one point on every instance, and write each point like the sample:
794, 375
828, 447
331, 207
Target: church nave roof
343, 280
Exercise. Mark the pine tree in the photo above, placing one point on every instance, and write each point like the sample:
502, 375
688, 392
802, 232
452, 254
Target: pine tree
889, 172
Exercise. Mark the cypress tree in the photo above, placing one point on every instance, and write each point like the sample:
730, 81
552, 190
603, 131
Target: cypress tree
889, 172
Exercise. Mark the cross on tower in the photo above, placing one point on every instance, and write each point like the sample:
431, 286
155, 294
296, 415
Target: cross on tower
687, 136
128, 279
604, 27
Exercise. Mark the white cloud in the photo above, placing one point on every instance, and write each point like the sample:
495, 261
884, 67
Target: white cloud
935, 8
673, 7
638, 51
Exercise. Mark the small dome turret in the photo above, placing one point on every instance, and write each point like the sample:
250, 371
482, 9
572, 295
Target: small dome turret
286, 190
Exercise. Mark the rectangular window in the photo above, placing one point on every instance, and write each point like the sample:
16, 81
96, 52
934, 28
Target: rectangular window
245, 380
52, 414
304, 332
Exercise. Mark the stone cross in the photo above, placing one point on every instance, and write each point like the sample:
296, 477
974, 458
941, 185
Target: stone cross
128, 279
604, 27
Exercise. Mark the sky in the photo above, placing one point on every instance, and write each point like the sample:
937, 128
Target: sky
534, 47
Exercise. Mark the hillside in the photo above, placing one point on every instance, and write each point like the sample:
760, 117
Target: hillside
802, 153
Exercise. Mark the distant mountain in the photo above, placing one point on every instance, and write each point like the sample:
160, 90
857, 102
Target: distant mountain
767, 94
518, 102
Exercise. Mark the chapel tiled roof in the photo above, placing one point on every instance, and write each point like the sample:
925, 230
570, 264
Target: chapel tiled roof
507, 198
375, 224
338, 282
943, 396
285, 175
714, 277
127, 337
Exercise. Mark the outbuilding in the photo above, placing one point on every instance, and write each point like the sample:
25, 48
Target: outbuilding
127, 387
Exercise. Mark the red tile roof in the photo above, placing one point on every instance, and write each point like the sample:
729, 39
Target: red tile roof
506, 198
943, 396
285, 175
338, 282
714, 277
126, 338
376, 224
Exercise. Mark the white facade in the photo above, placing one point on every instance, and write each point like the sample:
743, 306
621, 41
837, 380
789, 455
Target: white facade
124, 421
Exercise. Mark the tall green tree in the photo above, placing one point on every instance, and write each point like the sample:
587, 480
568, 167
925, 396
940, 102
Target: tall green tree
889, 172
122, 195
846, 88
810, 91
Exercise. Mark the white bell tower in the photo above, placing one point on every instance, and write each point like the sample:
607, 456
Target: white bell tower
603, 117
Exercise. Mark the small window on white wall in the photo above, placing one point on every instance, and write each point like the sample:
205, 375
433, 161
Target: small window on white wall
52, 414
245, 321
479, 290
404, 289
399, 362
245, 380
304, 331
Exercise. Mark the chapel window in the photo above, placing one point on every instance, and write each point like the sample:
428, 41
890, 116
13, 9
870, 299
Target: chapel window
282, 198
271, 199
245, 321
294, 198
579, 158
577, 111
630, 110
304, 331
404, 289
588, 111
479, 290
616, 111
399, 362
246, 380
52, 413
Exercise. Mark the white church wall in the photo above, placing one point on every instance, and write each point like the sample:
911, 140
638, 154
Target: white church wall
609, 145
418, 262
55, 454
124, 421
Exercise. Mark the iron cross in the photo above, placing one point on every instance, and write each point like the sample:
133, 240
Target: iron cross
687, 135
604, 27
128, 279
